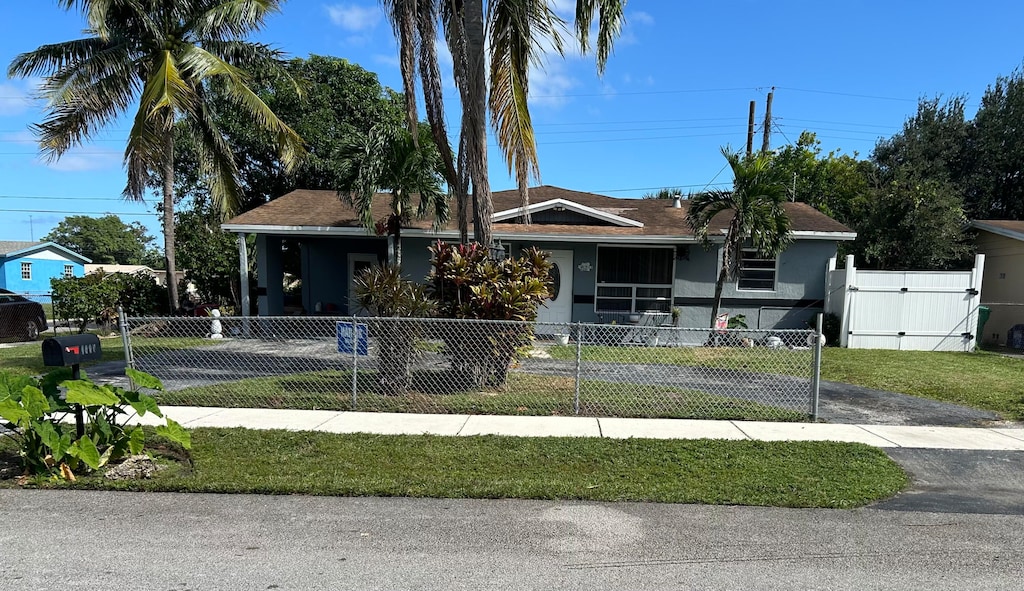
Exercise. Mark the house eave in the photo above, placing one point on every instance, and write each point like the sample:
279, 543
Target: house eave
997, 230
518, 236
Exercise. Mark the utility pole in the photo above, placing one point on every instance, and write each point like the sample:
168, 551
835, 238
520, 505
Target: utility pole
766, 144
750, 131
31, 229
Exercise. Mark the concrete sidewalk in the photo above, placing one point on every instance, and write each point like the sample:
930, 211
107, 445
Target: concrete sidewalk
886, 436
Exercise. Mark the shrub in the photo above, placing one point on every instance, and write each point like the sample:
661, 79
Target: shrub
96, 297
467, 283
31, 410
383, 292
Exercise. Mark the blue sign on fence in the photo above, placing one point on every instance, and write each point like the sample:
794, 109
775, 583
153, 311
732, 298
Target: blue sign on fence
344, 332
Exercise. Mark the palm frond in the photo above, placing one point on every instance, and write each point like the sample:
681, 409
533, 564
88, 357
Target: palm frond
516, 30
609, 26
231, 18
202, 64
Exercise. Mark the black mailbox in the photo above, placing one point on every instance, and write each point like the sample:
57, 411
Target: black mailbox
71, 350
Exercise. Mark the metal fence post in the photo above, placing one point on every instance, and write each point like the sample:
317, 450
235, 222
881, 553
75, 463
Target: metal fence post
126, 342
579, 356
355, 362
816, 375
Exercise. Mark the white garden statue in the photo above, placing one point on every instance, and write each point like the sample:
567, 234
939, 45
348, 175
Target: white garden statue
215, 326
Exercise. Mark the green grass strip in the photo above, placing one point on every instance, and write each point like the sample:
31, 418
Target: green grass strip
778, 474
525, 394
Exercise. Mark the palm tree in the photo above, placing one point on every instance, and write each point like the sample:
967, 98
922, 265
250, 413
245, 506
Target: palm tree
391, 160
755, 205
157, 57
514, 32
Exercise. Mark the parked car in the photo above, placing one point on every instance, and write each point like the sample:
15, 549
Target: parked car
20, 317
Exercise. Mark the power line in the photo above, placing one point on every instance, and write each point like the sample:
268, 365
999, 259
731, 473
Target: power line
124, 213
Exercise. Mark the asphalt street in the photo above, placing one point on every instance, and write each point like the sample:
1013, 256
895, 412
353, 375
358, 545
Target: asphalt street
174, 542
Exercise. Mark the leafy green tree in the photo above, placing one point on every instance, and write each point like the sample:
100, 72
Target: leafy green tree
106, 240
835, 184
932, 144
327, 100
158, 58
208, 254
994, 186
504, 37
389, 159
756, 214
913, 224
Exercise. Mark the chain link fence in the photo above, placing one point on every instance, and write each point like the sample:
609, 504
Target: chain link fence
446, 366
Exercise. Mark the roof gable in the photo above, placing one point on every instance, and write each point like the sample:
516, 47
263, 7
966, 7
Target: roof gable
559, 204
12, 249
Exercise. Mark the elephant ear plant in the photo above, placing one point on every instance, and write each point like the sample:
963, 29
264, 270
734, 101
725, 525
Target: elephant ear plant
32, 409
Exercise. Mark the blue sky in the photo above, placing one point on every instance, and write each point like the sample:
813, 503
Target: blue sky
676, 89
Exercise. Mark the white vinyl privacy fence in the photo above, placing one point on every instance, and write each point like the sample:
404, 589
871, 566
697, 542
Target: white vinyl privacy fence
906, 310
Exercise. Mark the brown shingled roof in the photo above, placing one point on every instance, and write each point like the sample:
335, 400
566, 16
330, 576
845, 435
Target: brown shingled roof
323, 209
1008, 225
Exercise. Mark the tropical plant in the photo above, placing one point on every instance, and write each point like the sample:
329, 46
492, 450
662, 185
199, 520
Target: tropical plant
158, 57
664, 193
468, 283
32, 409
756, 216
384, 293
507, 36
390, 159
96, 297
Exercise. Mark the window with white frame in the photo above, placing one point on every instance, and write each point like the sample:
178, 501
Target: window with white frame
69, 271
757, 273
633, 279
26, 271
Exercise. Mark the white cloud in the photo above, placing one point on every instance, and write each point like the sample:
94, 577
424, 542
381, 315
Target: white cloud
354, 18
89, 158
565, 8
21, 138
14, 100
640, 17
387, 59
548, 86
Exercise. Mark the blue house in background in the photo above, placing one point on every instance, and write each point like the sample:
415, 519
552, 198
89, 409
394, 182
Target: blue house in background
26, 268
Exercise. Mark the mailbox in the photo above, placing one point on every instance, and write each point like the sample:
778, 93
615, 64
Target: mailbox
71, 350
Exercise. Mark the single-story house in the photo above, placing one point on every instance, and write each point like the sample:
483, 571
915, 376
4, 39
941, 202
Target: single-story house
27, 267
1002, 284
614, 257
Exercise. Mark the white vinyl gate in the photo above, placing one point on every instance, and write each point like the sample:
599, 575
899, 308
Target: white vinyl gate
906, 310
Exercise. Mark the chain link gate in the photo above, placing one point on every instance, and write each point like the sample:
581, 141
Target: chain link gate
433, 365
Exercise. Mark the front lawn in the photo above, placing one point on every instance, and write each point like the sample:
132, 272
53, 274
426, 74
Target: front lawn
525, 394
983, 380
778, 474
980, 380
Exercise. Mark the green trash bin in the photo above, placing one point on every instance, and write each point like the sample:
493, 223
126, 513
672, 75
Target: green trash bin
983, 313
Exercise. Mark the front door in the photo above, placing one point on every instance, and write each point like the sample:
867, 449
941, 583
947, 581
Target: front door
559, 307
357, 263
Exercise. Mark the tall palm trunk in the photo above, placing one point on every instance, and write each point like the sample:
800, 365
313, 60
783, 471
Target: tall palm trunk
397, 246
168, 174
717, 304
475, 116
